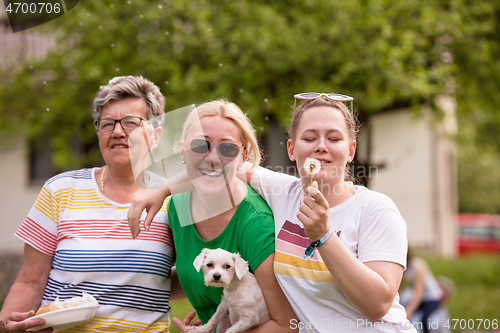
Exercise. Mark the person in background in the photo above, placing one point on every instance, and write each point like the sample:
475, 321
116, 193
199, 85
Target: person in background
76, 235
424, 293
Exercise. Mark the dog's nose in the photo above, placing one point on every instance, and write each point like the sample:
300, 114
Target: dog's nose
216, 276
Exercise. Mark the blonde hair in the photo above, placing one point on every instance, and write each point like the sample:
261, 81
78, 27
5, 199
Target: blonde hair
223, 108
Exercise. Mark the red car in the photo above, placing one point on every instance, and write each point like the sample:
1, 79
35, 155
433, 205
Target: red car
478, 233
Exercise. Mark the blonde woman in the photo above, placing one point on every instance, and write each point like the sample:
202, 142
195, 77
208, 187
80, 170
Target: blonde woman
223, 211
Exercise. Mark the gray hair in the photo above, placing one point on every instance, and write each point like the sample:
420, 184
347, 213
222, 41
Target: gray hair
121, 87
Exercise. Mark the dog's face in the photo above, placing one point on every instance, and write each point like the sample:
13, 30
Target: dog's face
220, 267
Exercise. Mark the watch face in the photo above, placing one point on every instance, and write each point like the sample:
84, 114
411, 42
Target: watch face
316, 243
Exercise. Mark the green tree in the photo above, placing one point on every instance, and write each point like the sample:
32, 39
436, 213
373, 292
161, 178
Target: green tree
476, 51
258, 54
478, 161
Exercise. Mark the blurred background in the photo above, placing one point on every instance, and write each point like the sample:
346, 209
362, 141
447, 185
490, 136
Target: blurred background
425, 77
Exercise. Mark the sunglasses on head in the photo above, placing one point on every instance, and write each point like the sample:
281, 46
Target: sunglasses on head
332, 96
226, 149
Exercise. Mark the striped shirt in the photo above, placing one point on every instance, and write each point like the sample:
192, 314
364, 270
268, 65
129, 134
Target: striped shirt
93, 251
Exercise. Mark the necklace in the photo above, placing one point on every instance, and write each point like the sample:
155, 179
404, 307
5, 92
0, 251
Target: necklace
102, 179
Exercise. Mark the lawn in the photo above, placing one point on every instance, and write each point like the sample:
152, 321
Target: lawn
180, 309
477, 289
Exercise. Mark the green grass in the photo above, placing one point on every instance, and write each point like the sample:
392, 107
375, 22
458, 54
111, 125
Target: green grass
477, 286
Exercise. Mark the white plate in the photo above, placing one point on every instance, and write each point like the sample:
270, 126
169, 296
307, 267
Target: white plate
65, 318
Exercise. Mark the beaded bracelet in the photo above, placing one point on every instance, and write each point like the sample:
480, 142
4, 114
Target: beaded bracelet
309, 252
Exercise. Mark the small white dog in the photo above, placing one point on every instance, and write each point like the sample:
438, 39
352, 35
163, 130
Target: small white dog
242, 297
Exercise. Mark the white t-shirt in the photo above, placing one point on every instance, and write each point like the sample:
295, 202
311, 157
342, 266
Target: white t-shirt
370, 226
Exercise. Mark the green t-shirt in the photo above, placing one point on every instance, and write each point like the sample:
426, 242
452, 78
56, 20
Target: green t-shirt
250, 233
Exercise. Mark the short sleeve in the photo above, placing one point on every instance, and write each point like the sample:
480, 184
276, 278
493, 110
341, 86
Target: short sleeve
382, 237
39, 228
258, 240
273, 186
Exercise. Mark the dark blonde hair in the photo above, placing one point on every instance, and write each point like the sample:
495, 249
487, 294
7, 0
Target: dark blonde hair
351, 121
223, 108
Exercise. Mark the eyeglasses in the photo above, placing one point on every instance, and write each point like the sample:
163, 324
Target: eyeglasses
226, 149
127, 123
335, 97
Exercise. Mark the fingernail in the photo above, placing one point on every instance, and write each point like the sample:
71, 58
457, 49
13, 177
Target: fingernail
312, 190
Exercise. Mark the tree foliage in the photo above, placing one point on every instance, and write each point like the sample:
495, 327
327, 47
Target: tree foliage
385, 53
476, 51
478, 161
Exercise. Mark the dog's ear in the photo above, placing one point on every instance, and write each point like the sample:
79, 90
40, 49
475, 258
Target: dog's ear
198, 261
240, 266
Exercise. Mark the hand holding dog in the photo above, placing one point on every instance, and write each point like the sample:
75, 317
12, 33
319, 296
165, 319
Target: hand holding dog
187, 322
314, 213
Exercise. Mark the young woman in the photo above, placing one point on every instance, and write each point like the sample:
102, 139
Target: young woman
222, 211
340, 248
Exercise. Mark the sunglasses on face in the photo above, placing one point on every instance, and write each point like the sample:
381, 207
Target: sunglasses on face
226, 149
332, 96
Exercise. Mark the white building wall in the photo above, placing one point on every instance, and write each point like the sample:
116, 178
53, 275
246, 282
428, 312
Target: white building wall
16, 197
418, 175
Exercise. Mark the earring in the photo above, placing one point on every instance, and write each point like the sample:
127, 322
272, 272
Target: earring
238, 168
183, 162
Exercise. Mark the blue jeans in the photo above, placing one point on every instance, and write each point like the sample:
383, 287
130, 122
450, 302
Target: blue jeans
427, 307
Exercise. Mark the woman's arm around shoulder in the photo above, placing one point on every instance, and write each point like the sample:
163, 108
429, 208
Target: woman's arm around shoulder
282, 314
152, 200
26, 293
246, 172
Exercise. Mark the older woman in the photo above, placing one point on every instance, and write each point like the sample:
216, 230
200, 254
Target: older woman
77, 237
